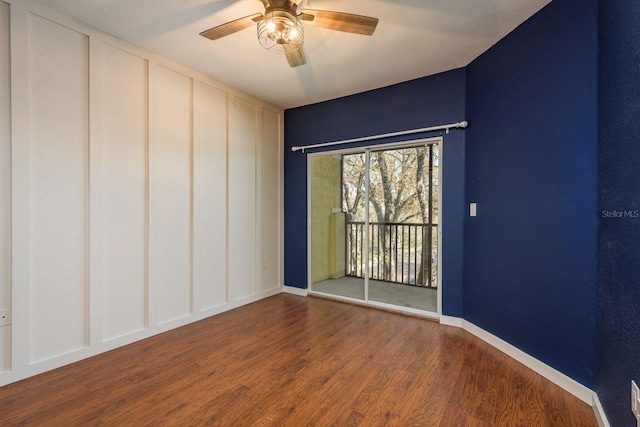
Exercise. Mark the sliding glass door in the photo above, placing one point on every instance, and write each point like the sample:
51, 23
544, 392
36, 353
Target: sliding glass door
333, 270
403, 203
375, 225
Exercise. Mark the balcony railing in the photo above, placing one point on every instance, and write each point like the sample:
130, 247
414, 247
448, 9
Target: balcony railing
398, 252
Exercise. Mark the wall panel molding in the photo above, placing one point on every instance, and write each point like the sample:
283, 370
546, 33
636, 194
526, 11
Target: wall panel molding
152, 241
19, 186
125, 195
124, 181
270, 201
5, 186
242, 198
174, 186
58, 188
210, 197
96, 195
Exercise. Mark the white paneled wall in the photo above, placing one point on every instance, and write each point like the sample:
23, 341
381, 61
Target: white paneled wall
268, 195
122, 135
58, 188
5, 186
136, 195
242, 198
210, 197
173, 178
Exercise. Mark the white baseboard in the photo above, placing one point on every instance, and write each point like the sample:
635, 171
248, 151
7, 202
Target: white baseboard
451, 321
295, 291
578, 390
599, 411
21, 373
266, 293
570, 385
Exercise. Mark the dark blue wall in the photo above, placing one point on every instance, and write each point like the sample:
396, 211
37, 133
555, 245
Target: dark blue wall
530, 160
531, 166
416, 104
619, 182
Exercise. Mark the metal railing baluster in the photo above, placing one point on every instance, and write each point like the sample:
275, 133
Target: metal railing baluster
391, 243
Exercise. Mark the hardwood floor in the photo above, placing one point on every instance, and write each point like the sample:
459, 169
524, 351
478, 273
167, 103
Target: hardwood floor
296, 361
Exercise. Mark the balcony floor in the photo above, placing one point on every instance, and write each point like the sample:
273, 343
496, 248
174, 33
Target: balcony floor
389, 293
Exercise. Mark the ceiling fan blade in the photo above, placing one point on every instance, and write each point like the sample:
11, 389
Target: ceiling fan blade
231, 27
347, 22
296, 58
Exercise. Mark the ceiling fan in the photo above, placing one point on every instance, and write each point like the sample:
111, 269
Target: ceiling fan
280, 29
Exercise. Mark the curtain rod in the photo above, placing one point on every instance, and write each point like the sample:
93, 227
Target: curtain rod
458, 125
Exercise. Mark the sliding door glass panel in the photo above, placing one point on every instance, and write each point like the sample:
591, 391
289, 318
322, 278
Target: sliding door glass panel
403, 212
337, 199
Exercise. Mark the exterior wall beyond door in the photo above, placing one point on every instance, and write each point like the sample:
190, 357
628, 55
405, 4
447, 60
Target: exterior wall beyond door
327, 227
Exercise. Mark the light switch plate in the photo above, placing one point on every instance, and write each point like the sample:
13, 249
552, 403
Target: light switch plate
472, 209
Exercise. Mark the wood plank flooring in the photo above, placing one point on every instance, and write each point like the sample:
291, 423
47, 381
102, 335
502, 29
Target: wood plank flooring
296, 361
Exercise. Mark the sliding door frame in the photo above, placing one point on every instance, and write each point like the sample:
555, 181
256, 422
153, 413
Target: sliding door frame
367, 150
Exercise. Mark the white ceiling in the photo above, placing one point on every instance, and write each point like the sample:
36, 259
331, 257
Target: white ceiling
414, 38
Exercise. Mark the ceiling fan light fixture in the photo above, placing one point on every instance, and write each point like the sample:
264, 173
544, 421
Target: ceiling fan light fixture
280, 29
280, 32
